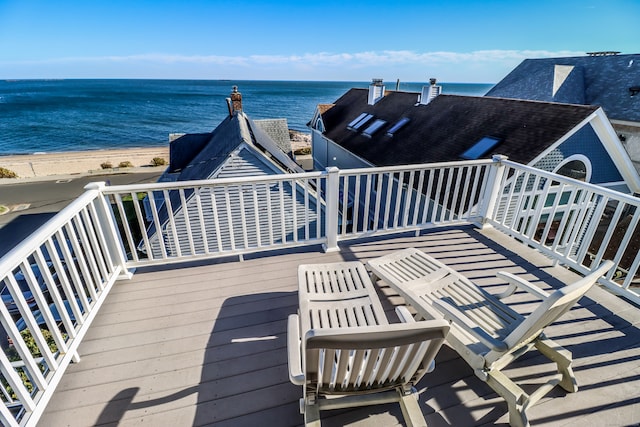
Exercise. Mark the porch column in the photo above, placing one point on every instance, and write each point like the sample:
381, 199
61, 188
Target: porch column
332, 195
492, 192
108, 226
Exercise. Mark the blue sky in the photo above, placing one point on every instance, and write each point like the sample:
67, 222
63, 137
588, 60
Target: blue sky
455, 41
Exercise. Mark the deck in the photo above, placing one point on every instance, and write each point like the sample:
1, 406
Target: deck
206, 345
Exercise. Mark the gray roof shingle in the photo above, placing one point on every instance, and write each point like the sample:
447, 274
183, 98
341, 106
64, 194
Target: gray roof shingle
449, 125
593, 80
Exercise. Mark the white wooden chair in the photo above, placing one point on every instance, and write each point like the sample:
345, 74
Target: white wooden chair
343, 351
486, 332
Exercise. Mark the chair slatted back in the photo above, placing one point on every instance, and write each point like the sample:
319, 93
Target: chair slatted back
356, 360
557, 303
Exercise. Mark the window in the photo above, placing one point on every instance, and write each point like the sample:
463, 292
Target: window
480, 148
359, 121
577, 167
395, 128
368, 132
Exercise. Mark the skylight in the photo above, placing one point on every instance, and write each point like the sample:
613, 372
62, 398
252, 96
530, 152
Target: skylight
373, 127
395, 128
359, 121
480, 148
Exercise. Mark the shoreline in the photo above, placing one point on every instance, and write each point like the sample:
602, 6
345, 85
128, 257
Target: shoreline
43, 165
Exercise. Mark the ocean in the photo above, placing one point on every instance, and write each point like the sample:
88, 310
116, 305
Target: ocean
73, 115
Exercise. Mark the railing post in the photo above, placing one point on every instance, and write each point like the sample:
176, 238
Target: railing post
332, 196
492, 191
108, 224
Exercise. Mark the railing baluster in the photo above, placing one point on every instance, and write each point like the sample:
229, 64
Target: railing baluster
126, 226
158, 226
398, 196
600, 203
387, 202
79, 273
92, 268
626, 240
294, 208
172, 223
418, 203
268, 191
427, 200
187, 220
376, 211
98, 241
355, 208
283, 228
243, 218
216, 220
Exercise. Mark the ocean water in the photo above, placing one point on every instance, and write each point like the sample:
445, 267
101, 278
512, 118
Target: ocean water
71, 115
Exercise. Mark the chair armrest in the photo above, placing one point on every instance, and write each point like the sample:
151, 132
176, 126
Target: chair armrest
404, 315
452, 314
516, 282
294, 355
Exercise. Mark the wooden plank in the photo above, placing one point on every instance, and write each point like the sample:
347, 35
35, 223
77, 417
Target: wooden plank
205, 343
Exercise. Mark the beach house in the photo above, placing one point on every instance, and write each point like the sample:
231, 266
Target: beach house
606, 79
376, 127
238, 147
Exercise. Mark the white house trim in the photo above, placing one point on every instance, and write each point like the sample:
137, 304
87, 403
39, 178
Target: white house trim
609, 138
581, 157
602, 126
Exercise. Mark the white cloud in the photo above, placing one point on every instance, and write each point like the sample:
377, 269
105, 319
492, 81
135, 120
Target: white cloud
486, 65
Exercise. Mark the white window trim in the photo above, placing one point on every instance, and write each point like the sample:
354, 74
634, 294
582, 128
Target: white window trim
581, 157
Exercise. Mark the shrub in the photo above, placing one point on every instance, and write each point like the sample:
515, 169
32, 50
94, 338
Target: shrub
302, 151
158, 161
106, 165
13, 356
6, 173
125, 164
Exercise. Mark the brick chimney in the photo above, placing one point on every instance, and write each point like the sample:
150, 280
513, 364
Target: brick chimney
235, 101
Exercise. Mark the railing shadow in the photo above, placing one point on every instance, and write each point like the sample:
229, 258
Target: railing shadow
610, 343
244, 379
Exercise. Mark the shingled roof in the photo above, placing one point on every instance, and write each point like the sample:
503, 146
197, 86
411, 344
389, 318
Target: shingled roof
445, 128
607, 81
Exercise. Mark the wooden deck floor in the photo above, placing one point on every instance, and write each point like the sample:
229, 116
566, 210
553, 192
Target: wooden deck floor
206, 345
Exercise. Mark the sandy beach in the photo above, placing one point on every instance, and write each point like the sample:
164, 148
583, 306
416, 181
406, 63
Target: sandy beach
80, 162
51, 165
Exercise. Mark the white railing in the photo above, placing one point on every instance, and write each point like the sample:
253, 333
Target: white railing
177, 222
575, 223
56, 280
53, 284
404, 198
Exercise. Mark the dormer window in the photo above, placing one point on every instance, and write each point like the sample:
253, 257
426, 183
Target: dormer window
368, 132
480, 148
634, 90
359, 121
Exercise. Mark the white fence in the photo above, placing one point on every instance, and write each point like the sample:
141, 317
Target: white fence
576, 223
53, 284
56, 280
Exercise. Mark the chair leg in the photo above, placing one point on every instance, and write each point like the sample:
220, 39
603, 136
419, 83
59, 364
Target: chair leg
411, 411
516, 398
311, 414
563, 359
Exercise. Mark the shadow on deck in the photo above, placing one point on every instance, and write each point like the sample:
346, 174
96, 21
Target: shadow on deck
205, 344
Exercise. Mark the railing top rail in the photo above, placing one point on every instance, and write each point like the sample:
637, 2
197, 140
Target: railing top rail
38, 237
598, 189
209, 182
420, 166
